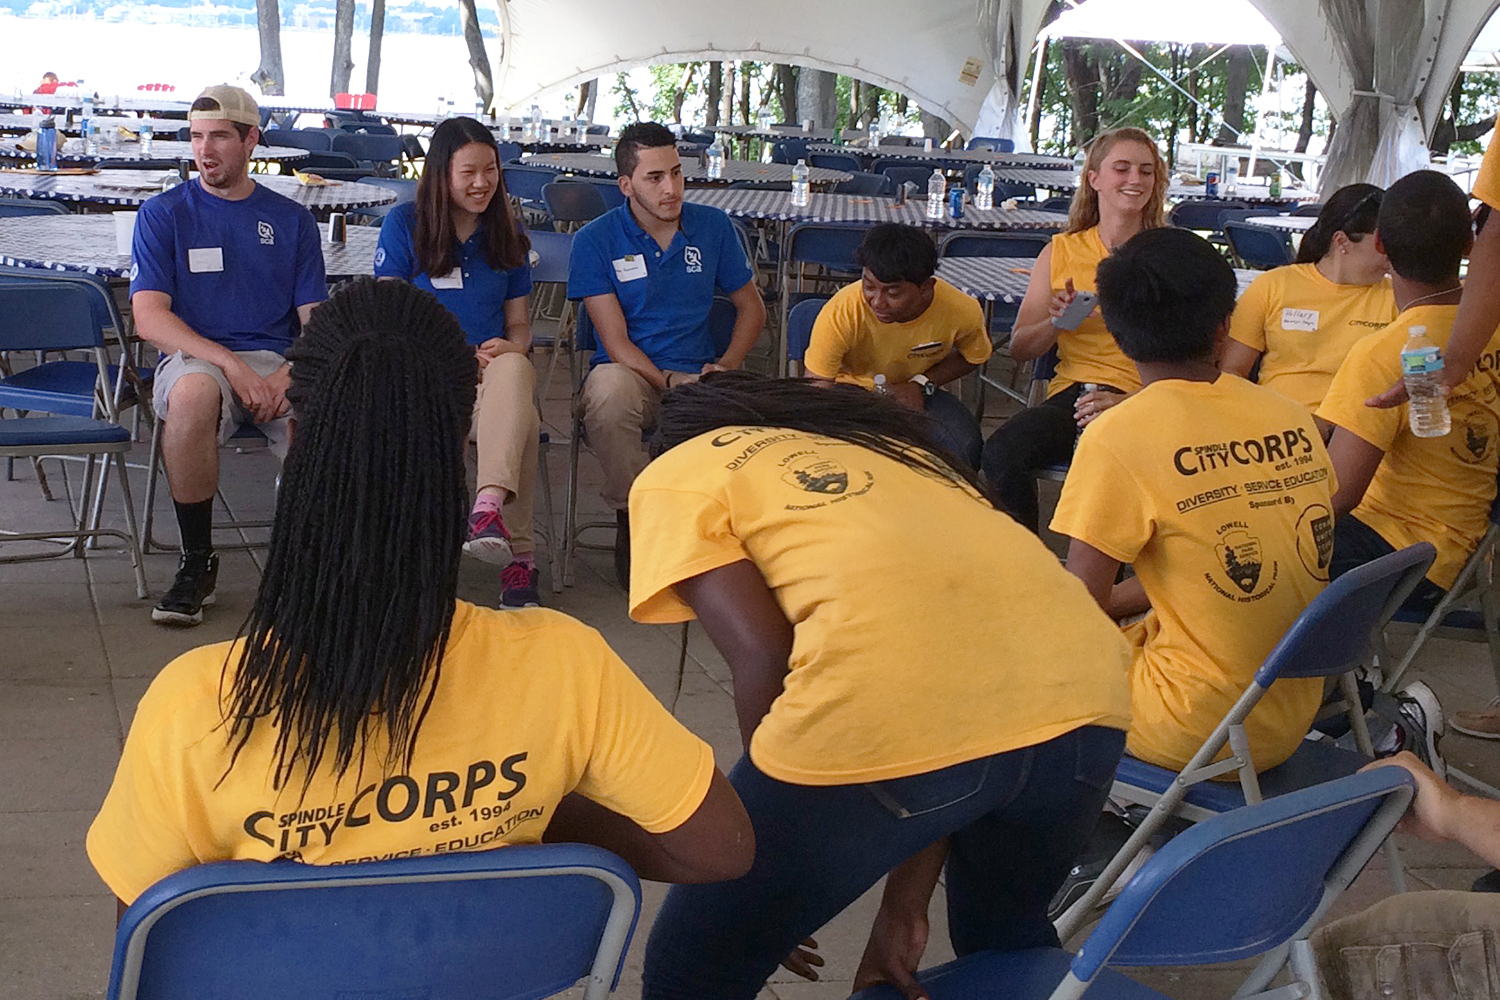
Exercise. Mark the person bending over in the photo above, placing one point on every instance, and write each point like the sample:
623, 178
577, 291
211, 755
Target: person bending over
226, 273
460, 241
1124, 192
902, 321
1217, 491
777, 515
1299, 322
646, 273
360, 683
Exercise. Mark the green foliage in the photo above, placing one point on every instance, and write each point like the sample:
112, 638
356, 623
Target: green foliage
1479, 98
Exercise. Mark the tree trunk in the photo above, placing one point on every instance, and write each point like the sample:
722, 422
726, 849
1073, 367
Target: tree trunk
715, 92
343, 43
1041, 95
269, 76
1305, 128
587, 92
817, 97
745, 75
869, 105
681, 93
1236, 82
1083, 91
377, 33
786, 87
937, 128
1191, 86
479, 60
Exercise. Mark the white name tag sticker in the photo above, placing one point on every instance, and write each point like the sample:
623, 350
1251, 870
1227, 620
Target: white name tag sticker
205, 260
453, 279
630, 267
1305, 320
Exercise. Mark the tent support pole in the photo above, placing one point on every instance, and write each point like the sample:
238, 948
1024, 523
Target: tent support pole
1265, 91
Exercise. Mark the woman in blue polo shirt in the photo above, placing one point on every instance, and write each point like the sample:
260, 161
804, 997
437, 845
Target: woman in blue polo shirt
460, 241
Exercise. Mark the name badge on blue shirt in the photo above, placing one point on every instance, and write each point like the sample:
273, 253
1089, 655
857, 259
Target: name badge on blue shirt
453, 279
629, 267
205, 260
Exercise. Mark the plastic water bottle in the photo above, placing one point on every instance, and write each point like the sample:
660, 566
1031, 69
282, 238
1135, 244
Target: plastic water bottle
90, 138
715, 160
880, 383
148, 135
567, 125
88, 111
874, 132
1232, 178
801, 185
984, 188
1422, 371
937, 190
46, 144
536, 121
1080, 162
452, 110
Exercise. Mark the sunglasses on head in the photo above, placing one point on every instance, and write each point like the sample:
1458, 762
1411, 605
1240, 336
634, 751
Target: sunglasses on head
1373, 198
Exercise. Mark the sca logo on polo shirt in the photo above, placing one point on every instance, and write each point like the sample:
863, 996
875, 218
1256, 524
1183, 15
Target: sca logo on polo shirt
267, 234
693, 257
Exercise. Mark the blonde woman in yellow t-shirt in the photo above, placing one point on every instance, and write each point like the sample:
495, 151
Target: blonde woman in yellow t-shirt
781, 515
1122, 192
365, 713
1299, 321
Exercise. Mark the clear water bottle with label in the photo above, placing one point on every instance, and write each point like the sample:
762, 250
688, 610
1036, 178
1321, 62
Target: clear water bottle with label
715, 160
874, 132
984, 188
801, 184
937, 190
566, 127
88, 110
536, 121
90, 138
148, 137
1232, 177
1080, 161
1422, 371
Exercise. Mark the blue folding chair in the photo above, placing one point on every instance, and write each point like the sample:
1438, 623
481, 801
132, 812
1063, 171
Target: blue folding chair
525, 184
41, 312
405, 188
1329, 639
573, 204
902, 172
799, 325
515, 923
864, 183
510, 152
1251, 883
11, 208
789, 151
835, 161
1257, 246
311, 139
827, 246
981, 244
991, 143
380, 153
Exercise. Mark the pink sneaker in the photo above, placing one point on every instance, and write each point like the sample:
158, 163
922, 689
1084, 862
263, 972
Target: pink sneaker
488, 540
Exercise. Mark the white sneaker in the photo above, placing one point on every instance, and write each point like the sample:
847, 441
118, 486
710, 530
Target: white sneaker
1422, 723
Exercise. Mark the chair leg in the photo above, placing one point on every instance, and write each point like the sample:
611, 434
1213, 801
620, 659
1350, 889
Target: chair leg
132, 529
153, 471
546, 483
570, 505
96, 514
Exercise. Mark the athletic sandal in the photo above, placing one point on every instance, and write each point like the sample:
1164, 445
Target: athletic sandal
488, 540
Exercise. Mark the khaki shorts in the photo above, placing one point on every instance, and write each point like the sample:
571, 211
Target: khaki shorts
1439, 945
231, 414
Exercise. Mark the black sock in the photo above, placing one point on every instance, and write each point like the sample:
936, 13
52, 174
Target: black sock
195, 522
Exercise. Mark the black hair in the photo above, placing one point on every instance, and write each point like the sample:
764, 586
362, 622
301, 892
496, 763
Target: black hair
433, 236
893, 252
352, 617
1424, 225
209, 104
1164, 294
1350, 210
634, 138
844, 412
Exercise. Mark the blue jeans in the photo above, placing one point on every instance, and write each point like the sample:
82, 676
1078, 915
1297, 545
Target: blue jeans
1016, 822
954, 427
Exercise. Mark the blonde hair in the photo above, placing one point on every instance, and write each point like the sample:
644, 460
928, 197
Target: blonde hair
1084, 212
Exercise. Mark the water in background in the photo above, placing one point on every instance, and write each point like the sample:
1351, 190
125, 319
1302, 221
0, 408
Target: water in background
115, 57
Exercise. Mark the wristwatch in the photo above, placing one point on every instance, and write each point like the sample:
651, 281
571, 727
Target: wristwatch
926, 384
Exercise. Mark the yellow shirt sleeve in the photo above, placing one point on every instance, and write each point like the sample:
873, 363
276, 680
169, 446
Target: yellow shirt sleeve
832, 334
141, 834
1360, 377
644, 764
973, 340
675, 535
1487, 183
1103, 504
1247, 324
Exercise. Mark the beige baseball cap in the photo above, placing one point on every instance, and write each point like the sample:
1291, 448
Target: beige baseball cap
231, 104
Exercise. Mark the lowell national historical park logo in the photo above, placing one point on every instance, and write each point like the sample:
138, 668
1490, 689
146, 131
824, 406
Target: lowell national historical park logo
816, 474
1243, 563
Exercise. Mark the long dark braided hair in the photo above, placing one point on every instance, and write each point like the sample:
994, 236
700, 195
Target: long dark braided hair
844, 412
352, 617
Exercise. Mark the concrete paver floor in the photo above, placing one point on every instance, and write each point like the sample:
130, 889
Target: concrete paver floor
77, 650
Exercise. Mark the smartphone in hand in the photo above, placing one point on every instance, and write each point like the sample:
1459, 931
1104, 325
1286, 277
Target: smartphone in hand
1078, 310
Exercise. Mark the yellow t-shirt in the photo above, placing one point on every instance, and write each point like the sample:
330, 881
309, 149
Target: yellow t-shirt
849, 344
1434, 490
913, 649
530, 706
1219, 494
1089, 353
1487, 183
1303, 325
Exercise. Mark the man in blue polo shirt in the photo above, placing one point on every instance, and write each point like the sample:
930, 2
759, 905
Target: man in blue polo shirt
647, 272
226, 272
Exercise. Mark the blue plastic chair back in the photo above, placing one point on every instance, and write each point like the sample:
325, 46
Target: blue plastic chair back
368, 148
799, 325
834, 161
1056, 205
11, 208
721, 317
1258, 246
41, 313
1044, 367
992, 143
526, 183
585, 341
314, 139
698, 138
831, 245
517, 922
1201, 214
552, 250
865, 183
979, 244
904, 173
1277, 858
789, 151
572, 202
509, 152
1333, 632
608, 188
1241, 214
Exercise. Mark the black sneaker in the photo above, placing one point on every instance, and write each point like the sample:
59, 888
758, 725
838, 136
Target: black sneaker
518, 586
183, 604
622, 548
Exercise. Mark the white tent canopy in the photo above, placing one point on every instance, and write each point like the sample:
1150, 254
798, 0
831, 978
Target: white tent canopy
1185, 22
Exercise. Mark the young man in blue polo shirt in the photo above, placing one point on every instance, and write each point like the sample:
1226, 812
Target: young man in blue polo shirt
226, 272
647, 272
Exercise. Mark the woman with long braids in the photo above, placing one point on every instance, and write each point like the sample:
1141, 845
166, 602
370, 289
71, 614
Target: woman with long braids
1299, 321
891, 717
366, 713
1123, 191
460, 241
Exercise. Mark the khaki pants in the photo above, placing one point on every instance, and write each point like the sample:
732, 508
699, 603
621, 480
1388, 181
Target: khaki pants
618, 405
505, 433
1415, 946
